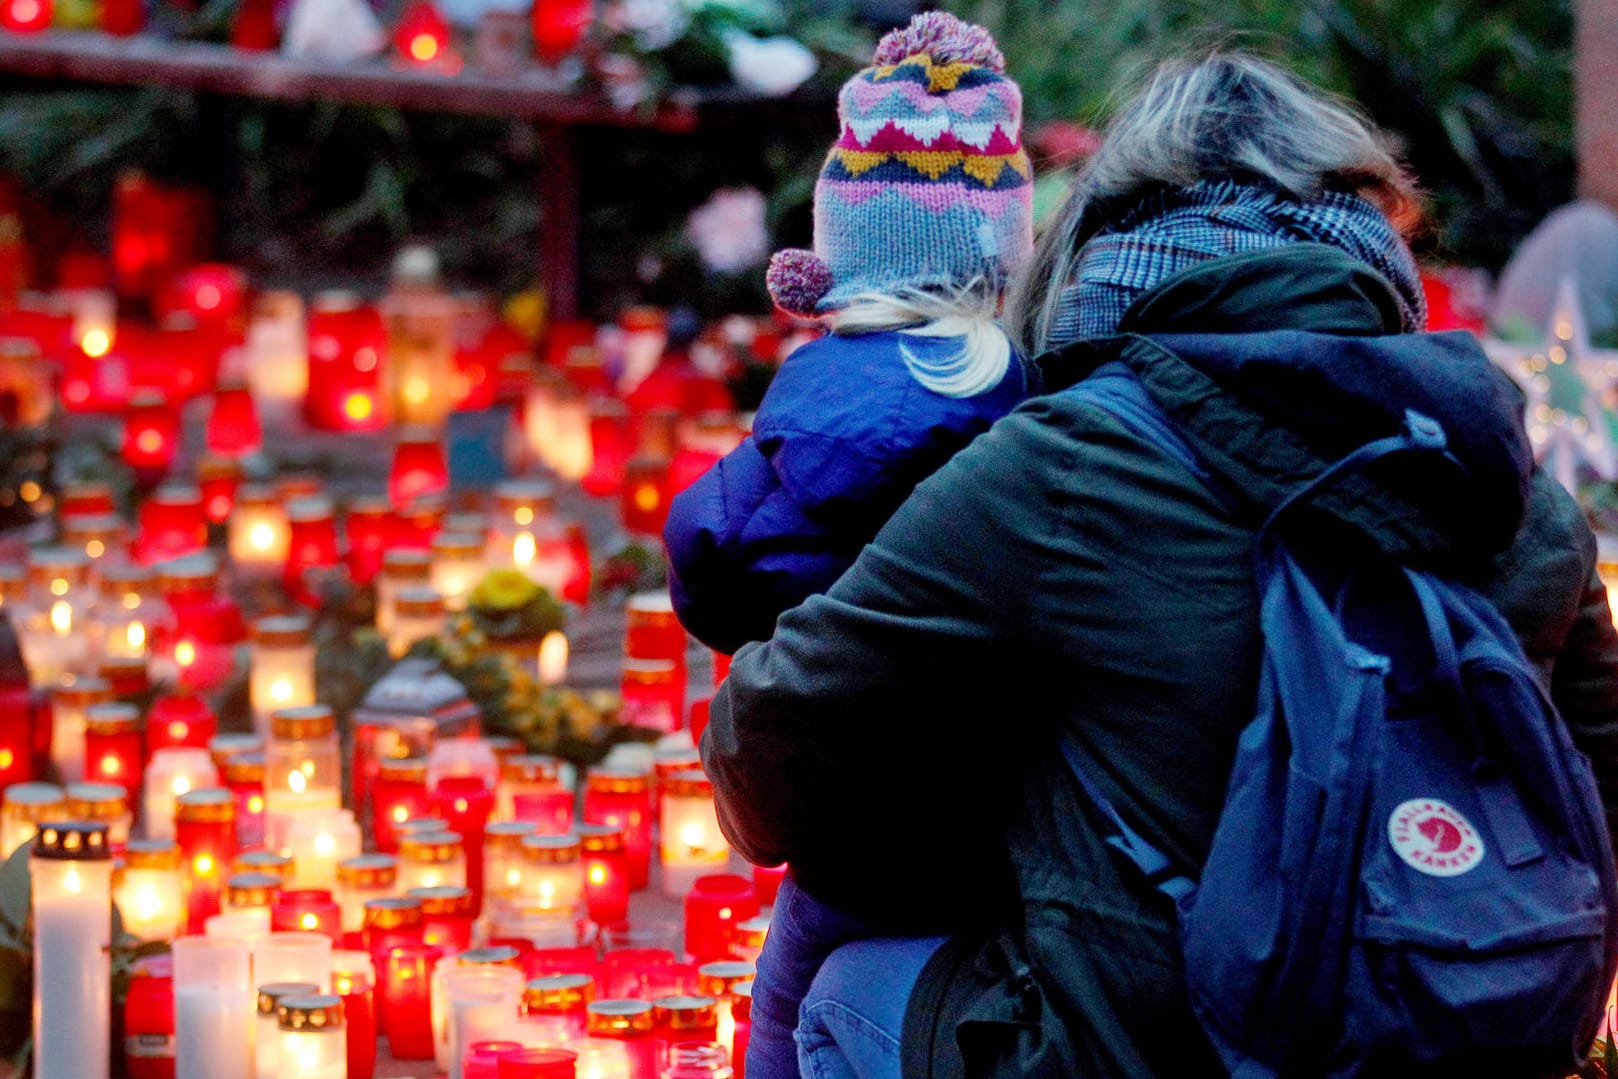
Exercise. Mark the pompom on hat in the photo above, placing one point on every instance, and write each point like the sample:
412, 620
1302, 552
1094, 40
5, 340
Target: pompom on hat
927, 185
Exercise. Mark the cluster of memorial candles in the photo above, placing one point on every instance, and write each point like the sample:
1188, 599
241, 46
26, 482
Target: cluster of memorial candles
411, 883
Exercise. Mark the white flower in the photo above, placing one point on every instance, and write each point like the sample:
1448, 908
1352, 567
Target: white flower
728, 230
772, 66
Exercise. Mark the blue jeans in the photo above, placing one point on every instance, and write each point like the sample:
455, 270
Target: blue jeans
854, 1013
804, 932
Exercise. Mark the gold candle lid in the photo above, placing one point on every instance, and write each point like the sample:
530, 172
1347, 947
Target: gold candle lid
599, 838
512, 497
506, 836
551, 849
83, 530
270, 994
648, 672
407, 565
251, 890
750, 932
256, 496
13, 583
151, 854
499, 955
403, 770
96, 801
111, 717
368, 871
741, 1001
720, 979
602, 780
205, 805
618, 1018
244, 768
559, 993
81, 691
443, 901
309, 508
417, 603
192, 573
282, 631
123, 670
72, 841
685, 1013
368, 506
647, 610
302, 723
394, 912
57, 569
263, 861
311, 1014
430, 847
212, 466
692, 784
120, 583
298, 485
33, 802
529, 768
224, 747
457, 545
467, 524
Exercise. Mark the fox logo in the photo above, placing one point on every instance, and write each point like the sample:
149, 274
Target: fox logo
1433, 837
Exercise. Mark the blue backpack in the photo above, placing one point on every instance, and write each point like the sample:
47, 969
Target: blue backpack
1411, 873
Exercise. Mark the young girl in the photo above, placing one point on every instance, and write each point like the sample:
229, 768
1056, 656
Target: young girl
922, 212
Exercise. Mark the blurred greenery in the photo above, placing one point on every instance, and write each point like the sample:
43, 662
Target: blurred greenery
1478, 94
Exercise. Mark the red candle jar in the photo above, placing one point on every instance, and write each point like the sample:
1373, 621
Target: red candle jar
244, 778
253, 29
205, 831
741, 1010
346, 345
481, 1060
25, 16
550, 810
623, 799
125, 674
151, 427
767, 881
173, 523
353, 979
644, 504
310, 910
653, 694
399, 794
559, 26
122, 18
370, 526
447, 914
180, 719
638, 973
606, 876
112, 746
149, 1019
17, 733
404, 1003
712, 908
685, 1019
465, 802
609, 447
233, 429
564, 996
217, 479
577, 588
311, 548
628, 1022
545, 962
699, 719
419, 467
538, 1064
390, 924
652, 630
211, 292
422, 38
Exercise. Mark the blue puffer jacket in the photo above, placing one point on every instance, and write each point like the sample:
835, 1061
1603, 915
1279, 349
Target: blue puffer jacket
843, 436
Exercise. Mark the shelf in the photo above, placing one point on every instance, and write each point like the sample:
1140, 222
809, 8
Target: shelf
146, 60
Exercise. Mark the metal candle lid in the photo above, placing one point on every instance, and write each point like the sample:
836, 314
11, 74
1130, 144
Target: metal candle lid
368, 871
304, 722
618, 1018
559, 993
72, 841
311, 1014
551, 849
271, 994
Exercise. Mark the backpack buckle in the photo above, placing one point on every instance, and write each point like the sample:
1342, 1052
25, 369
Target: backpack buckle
1423, 432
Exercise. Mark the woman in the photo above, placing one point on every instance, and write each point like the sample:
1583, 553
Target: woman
1062, 576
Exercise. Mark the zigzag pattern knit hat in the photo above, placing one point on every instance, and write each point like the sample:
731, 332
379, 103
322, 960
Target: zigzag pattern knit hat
928, 183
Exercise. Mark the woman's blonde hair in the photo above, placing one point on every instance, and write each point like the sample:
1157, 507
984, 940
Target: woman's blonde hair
967, 312
1223, 115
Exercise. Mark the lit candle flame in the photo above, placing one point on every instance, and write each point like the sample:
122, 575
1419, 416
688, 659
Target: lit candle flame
62, 617
523, 550
280, 690
181, 785
185, 653
135, 635
598, 874
255, 804
96, 343
177, 730
309, 921
261, 536
325, 844
202, 866
695, 838
400, 814
110, 765
296, 782
71, 882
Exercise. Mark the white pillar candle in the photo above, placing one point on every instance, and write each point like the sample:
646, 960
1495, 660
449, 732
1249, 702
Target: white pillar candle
293, 957
71, 870
71, 697
691, 844
172, 772
149, 893
53, 642
483, 1003
267, 1025
313, 1039
212, 1009
250, 925
283, 668
319, 839
260, 536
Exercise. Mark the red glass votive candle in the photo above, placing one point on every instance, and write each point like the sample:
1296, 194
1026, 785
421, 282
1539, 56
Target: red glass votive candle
741, 1010
623, 799
404, 1004
26, 16
551, 811
399, 794
712, 908
465, 802
419, 467
218, 478
684, 1019
149, 1019
564, 997
17, 722
205, 831
537, 1064
652, 630
233, 429
180, 719
370, 526
244, 778
644, 502
481, 1060
609, 447
127, 675
447, 914
545, 962
628, 1022
767, 881
637, 973
606, 874
112, 746
346, 343
311, 548
310, 910
173, 524
151, 432
354, 979
653, 694
389, 924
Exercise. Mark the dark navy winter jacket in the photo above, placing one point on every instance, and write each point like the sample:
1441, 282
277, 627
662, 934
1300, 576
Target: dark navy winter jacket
843, 436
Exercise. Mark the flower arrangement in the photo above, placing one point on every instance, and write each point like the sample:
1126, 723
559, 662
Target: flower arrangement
506, 606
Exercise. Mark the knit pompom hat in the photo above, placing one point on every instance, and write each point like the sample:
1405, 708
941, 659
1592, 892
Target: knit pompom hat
927, 185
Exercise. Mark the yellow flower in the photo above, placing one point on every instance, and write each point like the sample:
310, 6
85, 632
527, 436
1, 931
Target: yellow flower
504, 590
